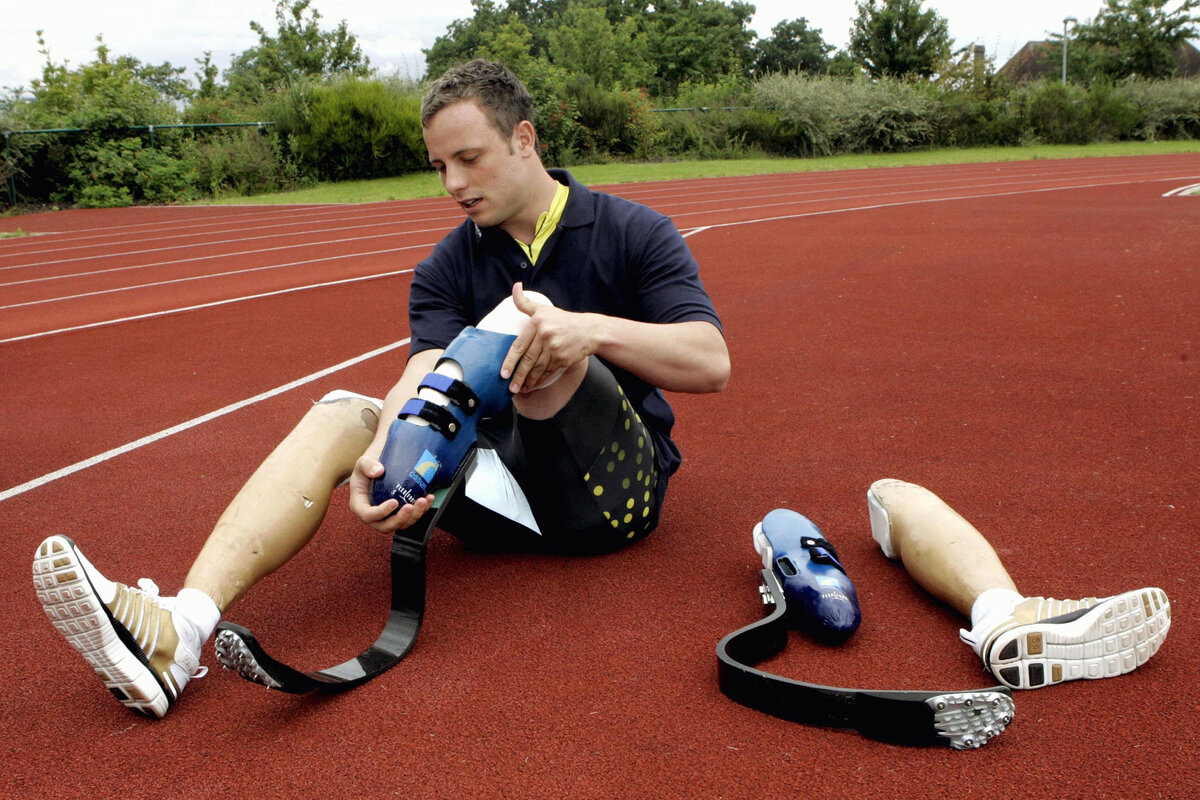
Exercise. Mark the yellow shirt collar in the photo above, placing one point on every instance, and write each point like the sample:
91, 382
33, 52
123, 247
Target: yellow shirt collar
546, 224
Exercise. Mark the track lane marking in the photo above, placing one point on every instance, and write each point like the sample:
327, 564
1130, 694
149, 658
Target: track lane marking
1183, 190
212, 275
924, 201
213, 304
108, 455
238, 254
113, 453
698, 229
825, 182
191, 243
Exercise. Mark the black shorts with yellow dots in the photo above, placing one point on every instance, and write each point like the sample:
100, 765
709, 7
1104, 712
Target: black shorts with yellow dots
588, 472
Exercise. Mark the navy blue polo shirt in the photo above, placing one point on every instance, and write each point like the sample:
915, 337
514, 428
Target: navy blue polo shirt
607, 255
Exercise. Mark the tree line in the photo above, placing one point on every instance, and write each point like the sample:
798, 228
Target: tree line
602, 72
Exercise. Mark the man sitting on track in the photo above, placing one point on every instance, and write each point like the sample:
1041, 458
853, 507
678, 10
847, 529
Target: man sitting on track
582, 464
1026, 642
589, 443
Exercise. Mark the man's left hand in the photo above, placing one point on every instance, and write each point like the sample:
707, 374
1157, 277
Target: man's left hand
551, 341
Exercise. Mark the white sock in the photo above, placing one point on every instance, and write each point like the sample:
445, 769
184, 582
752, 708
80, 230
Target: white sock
992, 604
200, 613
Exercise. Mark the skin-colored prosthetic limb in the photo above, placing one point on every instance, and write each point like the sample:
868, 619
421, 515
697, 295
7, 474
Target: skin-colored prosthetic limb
280, 508
943, 552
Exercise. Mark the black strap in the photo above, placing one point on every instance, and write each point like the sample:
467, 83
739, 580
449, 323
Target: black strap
962, 720
459, 393
439, 417
238, 649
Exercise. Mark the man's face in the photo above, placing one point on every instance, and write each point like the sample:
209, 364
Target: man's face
481, 169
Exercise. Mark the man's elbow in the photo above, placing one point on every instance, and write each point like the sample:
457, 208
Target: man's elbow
716, 371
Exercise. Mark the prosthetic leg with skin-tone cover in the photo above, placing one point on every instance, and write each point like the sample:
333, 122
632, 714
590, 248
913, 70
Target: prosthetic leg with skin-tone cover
145, 647
281, 507
1026, 642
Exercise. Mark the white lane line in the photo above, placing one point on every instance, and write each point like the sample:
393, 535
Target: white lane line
180, 231
214, 257
884, 178
215, 303
192, 423
923, 201
1009, 187
692, 232
213, 275
191, 244
1182, 190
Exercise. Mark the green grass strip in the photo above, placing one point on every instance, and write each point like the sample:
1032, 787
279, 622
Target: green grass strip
426, 184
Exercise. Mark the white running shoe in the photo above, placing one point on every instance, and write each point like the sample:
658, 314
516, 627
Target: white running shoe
128, 635
1045, 641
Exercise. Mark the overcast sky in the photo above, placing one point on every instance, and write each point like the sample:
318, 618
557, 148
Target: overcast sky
393, 33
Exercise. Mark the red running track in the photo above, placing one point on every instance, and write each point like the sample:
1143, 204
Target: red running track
1018, 337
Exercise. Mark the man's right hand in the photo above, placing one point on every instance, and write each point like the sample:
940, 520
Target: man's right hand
389, 515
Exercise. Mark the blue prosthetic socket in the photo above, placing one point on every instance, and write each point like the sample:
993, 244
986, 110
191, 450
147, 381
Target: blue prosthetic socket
820, 595
420, 459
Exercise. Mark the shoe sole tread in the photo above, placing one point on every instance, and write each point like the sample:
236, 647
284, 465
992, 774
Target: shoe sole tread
75, 609
1114, 637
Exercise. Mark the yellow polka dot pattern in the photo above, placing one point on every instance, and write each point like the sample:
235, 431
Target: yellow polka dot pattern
623, 477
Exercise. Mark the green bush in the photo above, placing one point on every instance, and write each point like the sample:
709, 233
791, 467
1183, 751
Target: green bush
102, 196
556, 117
105, 162
364, 128
707, 121
1113, 115
1165, 109
38, 163
826, 115
225, 109
881, 116
805, 110
603, 117
242, 161
967, 118
687, 132
611, 122
353, 128
119, 172
164, 178
1058, 113
760, 130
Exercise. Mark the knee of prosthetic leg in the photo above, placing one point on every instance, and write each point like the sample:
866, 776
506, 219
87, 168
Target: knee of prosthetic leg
428, 441
820, 595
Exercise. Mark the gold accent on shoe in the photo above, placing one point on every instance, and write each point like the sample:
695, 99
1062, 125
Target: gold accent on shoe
149, 625
130, 642
1046, 641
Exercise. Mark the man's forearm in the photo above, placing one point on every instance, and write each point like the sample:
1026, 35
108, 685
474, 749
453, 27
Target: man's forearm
677, 357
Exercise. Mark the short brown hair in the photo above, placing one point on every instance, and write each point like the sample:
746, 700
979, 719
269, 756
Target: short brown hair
498, 91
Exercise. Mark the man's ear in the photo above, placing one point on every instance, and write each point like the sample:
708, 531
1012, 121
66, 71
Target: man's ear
525, 136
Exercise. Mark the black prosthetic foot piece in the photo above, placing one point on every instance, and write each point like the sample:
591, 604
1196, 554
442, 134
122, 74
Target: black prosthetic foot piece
238, 649
963, 720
